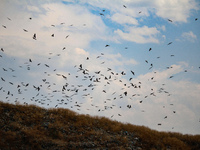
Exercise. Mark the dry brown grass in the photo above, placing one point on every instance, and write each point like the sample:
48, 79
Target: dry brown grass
31, 127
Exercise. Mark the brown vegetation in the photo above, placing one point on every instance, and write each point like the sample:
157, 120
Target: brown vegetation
32, 127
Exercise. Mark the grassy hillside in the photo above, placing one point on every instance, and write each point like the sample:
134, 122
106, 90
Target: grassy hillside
32, 127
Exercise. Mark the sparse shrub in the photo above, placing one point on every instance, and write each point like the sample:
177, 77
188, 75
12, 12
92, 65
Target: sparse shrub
174, 143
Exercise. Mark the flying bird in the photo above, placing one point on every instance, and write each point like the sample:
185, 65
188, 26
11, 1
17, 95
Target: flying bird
46, 65
124, 6
129, 106
132, 72
64, 77
123, 73
169, 43
97, 72
169, 20
151, 66
25, 30
34, 36
150, 49
2, 79
81, 66
125, 93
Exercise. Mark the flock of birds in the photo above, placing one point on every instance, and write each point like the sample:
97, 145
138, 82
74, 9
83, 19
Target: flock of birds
45, 92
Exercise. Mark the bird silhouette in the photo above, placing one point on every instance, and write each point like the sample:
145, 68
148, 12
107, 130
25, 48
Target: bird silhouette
132, 72
2, 79
34, 36
169, 43
125, 93
169, 20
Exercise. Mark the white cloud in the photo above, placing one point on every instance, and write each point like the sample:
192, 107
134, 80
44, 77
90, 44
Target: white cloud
164, 37
81, 26
123, 19
80, 51
163, 28
33, 8
161, 76
189, 36
117, 59
176, 10
139, 34
158, 106
182, 94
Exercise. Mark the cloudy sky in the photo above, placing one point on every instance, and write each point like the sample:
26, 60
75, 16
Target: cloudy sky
132, 61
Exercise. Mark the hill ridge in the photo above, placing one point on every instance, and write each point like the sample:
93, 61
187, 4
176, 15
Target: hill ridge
33, 127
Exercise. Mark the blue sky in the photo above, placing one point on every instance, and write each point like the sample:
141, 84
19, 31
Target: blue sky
166, 80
